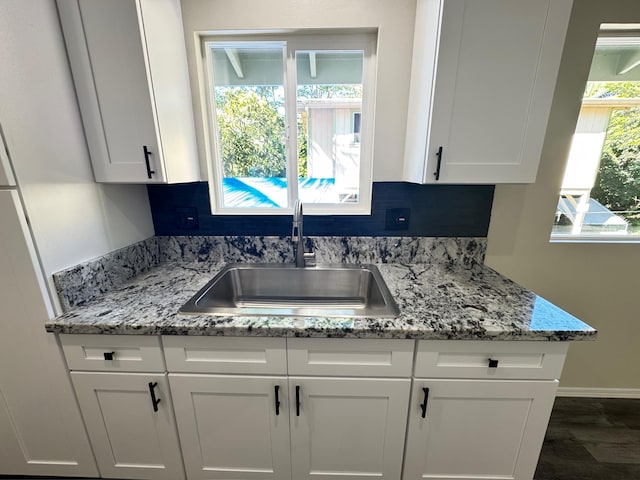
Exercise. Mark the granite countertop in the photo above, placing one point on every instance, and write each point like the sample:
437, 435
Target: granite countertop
437, 301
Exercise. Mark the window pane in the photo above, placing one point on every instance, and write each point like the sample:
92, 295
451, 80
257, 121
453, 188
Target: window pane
329, 105
600, 192
250, 115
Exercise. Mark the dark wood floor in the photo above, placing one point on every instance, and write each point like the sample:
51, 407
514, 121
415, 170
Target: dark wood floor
592, 439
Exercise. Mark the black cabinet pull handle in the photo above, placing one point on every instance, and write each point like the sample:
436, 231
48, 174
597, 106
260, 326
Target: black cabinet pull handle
109, 355
297, 400
277, 389
147, 154
439, 162
152, 391
493, 363
423, 405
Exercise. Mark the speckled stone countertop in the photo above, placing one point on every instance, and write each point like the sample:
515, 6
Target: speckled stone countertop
437, 301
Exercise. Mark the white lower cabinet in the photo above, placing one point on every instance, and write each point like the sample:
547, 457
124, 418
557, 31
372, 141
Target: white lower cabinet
233, 427
41, 430
314, 409
250, 427
476, 429
347, 428
130, 424
488, 419
289, 427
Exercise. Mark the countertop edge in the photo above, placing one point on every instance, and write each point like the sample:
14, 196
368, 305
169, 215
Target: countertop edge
437, 302
107, 329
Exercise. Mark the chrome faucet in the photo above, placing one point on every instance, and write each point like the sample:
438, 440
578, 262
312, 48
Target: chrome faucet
303, 259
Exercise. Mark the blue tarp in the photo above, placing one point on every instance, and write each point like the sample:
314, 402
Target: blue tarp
597, 215
272, 192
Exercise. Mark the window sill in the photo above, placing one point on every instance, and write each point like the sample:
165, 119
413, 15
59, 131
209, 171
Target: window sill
309, 210
594, 239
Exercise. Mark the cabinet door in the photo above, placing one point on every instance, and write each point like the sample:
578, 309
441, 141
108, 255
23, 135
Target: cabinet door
129, 66
41, 430
114, 42
495, 75
129, 438
230, 426
347, 428
477, 429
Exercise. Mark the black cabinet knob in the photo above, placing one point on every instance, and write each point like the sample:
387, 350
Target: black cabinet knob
493, 363
109, 355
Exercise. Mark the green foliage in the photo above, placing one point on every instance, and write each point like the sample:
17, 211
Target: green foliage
618, 184
330, 91
618, 180
302, 145
251, 132
612, 89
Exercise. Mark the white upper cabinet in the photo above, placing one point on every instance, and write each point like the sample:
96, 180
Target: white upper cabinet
483, 77
129, 67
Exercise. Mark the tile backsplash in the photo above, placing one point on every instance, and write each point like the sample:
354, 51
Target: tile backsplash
432, 210
446, 224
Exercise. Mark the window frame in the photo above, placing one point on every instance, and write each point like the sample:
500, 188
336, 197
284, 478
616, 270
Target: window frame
606, 37
292, 42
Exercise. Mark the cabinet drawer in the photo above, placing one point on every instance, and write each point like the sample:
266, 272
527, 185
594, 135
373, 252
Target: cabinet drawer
238, 355
471, 359
128, 353
350, 357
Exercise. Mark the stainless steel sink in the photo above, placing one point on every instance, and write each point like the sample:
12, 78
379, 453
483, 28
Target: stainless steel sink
282, 289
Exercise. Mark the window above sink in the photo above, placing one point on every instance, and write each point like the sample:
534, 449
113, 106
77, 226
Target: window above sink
289, 116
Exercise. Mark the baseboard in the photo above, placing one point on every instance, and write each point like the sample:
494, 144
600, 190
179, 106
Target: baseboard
598, 392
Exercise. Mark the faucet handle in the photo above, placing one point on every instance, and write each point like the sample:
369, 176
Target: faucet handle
296, 225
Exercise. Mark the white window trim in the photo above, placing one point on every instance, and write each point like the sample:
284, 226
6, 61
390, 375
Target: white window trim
331, 40
604, 238
605, 39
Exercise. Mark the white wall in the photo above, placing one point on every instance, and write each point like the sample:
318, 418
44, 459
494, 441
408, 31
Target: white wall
72, 218
394, 19
596, 282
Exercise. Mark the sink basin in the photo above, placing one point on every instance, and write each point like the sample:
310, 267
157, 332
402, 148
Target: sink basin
284, 290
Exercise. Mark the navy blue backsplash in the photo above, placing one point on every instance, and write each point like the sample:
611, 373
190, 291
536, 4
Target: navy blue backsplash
429, 210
